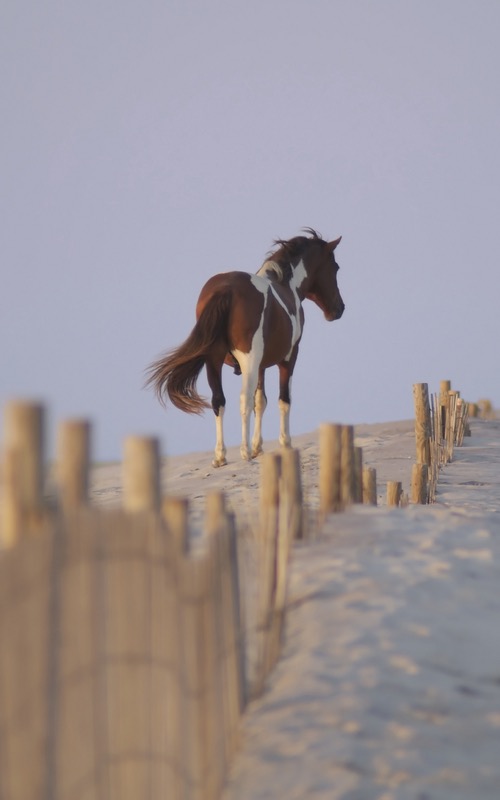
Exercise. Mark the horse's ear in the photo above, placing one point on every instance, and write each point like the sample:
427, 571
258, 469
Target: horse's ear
333, 245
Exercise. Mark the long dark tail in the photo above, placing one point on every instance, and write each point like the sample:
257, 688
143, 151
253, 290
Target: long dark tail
175, 374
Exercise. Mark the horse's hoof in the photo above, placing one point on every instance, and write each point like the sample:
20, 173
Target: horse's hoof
245, 454
219, 462
257, 452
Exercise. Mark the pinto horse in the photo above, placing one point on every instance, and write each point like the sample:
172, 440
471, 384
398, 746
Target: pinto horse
251, 322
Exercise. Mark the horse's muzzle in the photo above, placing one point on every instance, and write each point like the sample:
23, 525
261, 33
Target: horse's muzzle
330, 316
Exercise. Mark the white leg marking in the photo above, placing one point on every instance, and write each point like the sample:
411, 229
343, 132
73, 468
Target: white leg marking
260, 407
285, 440
220, 447
249, 364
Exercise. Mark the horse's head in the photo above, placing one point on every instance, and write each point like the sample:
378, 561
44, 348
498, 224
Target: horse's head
320, 285
311, 265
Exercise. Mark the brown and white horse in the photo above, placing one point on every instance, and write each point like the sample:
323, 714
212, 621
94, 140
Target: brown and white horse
251, 322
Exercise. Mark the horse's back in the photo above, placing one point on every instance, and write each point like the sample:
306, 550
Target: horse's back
252, 303
223, 283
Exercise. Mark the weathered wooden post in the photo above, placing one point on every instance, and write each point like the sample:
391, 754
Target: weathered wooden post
141, 473
370, 486
270, 484
419, 483
473, 410
24, 434
422, 422
215, 512
291, 483
269, 544
195, 755
73, 462
11, 505
347, 478
220, 526
329, 469
175, 512
217, 645
444, 389
358, 474
451, 414
394, 491
22, 467
460, 421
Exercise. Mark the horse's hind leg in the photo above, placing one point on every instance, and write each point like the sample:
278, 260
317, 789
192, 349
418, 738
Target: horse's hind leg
214, 376
250, 373
260, 403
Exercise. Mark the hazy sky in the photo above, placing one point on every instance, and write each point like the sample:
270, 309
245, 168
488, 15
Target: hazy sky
148, 145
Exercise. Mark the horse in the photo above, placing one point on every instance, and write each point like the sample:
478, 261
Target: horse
251, 322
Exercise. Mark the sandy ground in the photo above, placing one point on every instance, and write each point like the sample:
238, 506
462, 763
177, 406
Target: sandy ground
389, 683
390, 447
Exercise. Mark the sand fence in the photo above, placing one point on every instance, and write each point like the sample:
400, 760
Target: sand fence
123, 657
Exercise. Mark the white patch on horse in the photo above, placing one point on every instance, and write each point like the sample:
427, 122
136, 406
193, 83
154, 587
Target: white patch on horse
299, 274
293, 317
269, 268
249, 365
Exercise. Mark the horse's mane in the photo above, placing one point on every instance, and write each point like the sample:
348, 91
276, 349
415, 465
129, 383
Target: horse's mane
279, 264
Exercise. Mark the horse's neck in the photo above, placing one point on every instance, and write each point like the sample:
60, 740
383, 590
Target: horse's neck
271, 270
288, 277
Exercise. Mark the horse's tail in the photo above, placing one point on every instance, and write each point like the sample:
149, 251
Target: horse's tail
175, 374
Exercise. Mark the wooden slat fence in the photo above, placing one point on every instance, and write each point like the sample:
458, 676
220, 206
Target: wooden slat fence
125, 664
122, 650
441, 422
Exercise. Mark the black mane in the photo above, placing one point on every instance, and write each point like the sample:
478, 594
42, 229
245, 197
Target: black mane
291, 249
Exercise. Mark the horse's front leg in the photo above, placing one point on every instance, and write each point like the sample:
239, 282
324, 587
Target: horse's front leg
260, 403
214, 376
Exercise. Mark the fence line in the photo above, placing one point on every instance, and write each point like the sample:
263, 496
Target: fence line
441, 422
123, 652
122, 656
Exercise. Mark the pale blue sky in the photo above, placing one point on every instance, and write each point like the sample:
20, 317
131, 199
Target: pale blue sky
147, 146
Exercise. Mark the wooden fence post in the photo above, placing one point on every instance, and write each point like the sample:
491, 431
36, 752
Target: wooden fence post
444, 389
394, 491
358, 474
292, 491
73, 462
268, 542
370, 486
422, 422
270, 484
11, 507
419, 483
347, 478
141, 473
220, 525
175, 513
24, 433
453, 397
195, 752
329, 469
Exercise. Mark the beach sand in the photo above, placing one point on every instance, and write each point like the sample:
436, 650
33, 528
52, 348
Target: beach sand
388, 687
